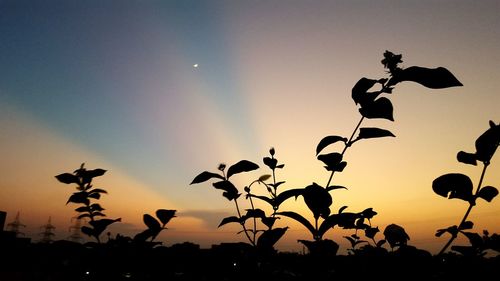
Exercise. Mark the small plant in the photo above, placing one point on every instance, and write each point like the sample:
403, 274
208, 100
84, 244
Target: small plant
84, 196
268, 237
154, 226
460, 186
479, 245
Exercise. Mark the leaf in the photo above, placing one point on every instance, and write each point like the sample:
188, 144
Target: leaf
204, 176
337, 168
396, 235
368, 213
381, 242
296, 192
360, 88
165, 215
264, 177
230, 191
475, 239
434, 78
87, 230
98, 214
98, 190
453, 230
330, 222
254, 213
487, 143
466, 225
318, 200
263, 198
96, 207
368, 133
276, 185
351, 240
101, 225
269, 237
333, 187
270, 162
79, 198
83, 216
94, 195
242, 166
467, 158
326, 141
280, 166
299, 219
347, 220
143, 236
229, 220
380, 108
487, 193
331, 160
453, 186
151, 223
94, 173
67, 178
342, 209
82, 209
370, 232
269, 221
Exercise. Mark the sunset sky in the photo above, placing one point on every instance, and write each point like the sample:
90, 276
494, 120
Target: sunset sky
113, 84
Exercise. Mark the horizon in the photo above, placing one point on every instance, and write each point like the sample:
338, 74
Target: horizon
156, 93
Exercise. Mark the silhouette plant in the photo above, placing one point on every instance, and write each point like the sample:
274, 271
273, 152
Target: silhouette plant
84, 196
154, 226
460, 186
268, 237
372, 105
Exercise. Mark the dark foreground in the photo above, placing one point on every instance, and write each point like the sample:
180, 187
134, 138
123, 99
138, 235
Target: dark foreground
64, 260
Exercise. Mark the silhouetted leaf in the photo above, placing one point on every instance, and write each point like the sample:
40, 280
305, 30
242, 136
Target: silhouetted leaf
83, 216
331, 160
396, 235
79, 198
94, 173
337, 168
102, 224
270, 162
143, 236
475, 239
268, 221
328, 223
466, 225
333, 187
342, 209
242, 166
318, 200
165, 215
230, 191
453, 186
453, 230
487, 143
347, 220
381, 242
264, 198
299, 219
98, 214
87, 230
151, 223
67, 178
98, 190
269, 237
204, 176
368, 133
229, 220
351, 240
362, 86
467, 158
276, 185
434, 78
380, 108
264, 177
287, 194
254, 213
326, 141
94, 195
280, 166
487, 193
368, 213
370, 232
96, 207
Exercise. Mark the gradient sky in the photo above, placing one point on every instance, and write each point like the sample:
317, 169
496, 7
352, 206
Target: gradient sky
112, 84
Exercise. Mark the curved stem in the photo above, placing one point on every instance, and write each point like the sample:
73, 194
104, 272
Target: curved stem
254, 219
466, 212
347, 145
243, 224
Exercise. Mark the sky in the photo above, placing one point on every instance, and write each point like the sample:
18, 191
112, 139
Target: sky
112, 84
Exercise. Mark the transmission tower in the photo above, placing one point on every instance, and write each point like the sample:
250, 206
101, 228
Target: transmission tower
16, 225
48, 232
76, 232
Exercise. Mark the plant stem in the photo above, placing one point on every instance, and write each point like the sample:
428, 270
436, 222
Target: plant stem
466, 212
243, 224
254, 219
347, 145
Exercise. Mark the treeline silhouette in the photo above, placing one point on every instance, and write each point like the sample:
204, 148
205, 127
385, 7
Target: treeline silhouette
371, 256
